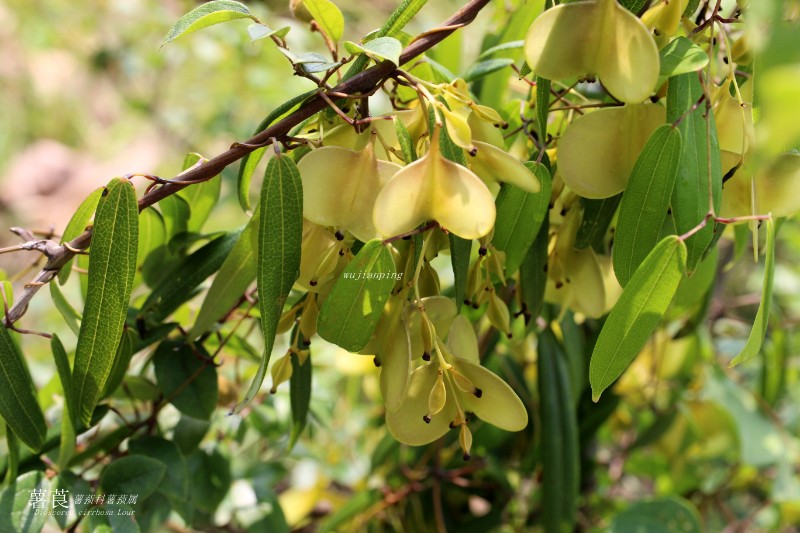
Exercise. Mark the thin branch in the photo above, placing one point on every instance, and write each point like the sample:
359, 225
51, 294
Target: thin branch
363, 83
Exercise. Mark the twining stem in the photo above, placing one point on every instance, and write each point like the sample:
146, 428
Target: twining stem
359, 84
732, 220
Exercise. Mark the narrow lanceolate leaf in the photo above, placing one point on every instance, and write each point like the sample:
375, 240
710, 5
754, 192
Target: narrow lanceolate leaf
112, 266
234, 277
67, 445
18, 404
76, 225
17, 515
646, 200
759, 331
300, 395
121, 361
637, 313
460, 250
519, 217
597, 217
206, 15
280, 232
560, 457
327, 16
542, 107
690, 197
533, 273
681, 56
352, 309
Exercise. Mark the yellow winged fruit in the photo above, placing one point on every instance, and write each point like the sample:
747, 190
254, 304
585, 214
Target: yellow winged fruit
340, 187
595, 37
433, 188
597, 152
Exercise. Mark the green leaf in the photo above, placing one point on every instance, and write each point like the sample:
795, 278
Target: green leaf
597, 217
300, 395
352, 309
759, 331
406, 144
76, 225
152, 249
379, 49
559, 433
460, 251
176, 478
486, 67
68, 313
260, 31
206, 15
17, 514
133, 474
251, 160
327, 16
645, 201
542, 107
186, 378
280, 232
512, 45
634, 6
519, 217
533, 272
179, 284
690, 197
201, 197
67, 447
121, 361
679, 57
112, 266
637, 313
666, 515
234, 277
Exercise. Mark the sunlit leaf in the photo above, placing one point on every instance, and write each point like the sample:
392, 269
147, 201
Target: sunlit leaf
18, 404
519, 217
759, 331
637, 313
380, 49
112, 266
645, 201
206, 15
352, 309
328, 16
681, 56
280, 233
699, 156
76, 225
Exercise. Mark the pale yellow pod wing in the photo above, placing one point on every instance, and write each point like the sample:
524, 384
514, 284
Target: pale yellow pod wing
665, 16
395, 364
498, 405
587, 293
597, 152
493, 164
595, 37
628, 61
557, 42
340, 187
433, 188
406, 424
462, 341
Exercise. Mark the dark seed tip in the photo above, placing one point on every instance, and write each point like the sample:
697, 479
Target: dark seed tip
426, 419
478, 392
